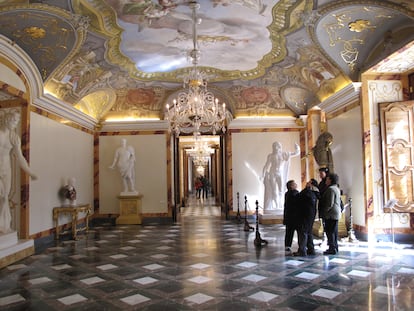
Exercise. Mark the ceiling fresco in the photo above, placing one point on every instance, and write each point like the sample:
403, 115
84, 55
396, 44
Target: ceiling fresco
125, 60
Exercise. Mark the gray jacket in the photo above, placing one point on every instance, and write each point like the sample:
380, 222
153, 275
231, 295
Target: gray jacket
330, 203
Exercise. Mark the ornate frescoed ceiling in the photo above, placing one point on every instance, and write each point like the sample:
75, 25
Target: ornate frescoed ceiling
117, 60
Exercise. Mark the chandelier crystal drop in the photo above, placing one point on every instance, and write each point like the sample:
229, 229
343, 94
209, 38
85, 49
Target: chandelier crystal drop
195, 109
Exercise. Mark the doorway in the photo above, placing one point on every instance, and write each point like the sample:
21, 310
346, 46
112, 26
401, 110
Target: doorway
200, 158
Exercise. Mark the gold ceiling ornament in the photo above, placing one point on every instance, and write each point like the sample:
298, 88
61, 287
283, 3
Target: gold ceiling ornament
195, 109
50, 35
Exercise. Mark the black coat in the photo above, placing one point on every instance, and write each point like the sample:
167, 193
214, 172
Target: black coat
290, 210
308, 200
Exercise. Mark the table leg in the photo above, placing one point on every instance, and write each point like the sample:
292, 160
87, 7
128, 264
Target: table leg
74, 219
56, 216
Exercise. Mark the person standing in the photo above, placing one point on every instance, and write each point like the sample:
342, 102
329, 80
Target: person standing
198, 186
323, 173
330, 209
9, 144
124, 159
205, 185
290, 213
308, 200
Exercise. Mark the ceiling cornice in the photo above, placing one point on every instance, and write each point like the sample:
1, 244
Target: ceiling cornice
153, 125
53, 105
345, 97
268, 122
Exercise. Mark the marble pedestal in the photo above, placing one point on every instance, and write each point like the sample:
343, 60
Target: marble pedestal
271, 217
12, 249
129, 210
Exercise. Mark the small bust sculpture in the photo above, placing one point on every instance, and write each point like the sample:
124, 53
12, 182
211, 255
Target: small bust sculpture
69, 192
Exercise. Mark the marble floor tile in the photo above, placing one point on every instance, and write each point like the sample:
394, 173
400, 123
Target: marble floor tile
145, 280
199, 298
118, 256
72, 299
254, 278
4, 301
263, 296
205, 262
326, 293
153, 267
200, 266
40, 280
106, 267
134, 299
358, 273
246, 264
16, 267
307, 275
92, 280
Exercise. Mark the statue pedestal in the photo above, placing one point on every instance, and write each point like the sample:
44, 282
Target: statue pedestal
12, 249
271, 217
129, 210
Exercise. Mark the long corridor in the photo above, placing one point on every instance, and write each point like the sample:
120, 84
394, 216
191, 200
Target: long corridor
204, 262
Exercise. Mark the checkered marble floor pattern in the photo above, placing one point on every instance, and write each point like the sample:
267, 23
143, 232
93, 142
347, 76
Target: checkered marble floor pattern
205, 263
201, 211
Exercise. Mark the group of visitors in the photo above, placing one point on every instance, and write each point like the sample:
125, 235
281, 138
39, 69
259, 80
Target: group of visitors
301, 208
201, 185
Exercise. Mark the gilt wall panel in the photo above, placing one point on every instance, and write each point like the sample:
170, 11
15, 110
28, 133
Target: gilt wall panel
398, 154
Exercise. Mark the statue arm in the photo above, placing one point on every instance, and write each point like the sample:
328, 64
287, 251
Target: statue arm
115, 160
17, 150
296, 152
266, 167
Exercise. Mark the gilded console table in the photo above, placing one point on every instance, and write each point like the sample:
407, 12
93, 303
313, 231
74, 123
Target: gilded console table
73, 211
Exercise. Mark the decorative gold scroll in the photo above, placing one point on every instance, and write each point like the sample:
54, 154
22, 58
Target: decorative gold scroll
398, 154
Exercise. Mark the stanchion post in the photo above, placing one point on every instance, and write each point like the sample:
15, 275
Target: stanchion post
238, 217
247, 226
258, 241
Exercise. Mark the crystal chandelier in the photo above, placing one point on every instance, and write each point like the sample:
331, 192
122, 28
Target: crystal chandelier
195, 109
201, 152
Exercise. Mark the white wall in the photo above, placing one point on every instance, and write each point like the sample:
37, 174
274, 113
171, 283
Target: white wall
249, 154
57, 152
348, 159
150, 172
6, 74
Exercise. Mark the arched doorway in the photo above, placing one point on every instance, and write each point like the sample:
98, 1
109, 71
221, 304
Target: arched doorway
200, 157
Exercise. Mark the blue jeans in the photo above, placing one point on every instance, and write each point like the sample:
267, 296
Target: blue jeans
305, 240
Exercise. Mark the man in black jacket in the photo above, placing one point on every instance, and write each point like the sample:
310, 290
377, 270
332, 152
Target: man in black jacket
290, 213
308, 199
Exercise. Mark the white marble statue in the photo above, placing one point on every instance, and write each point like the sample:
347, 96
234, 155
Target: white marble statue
124, 159
275, 173
9, 144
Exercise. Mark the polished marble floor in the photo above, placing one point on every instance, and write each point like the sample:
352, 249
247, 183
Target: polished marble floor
204, 262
